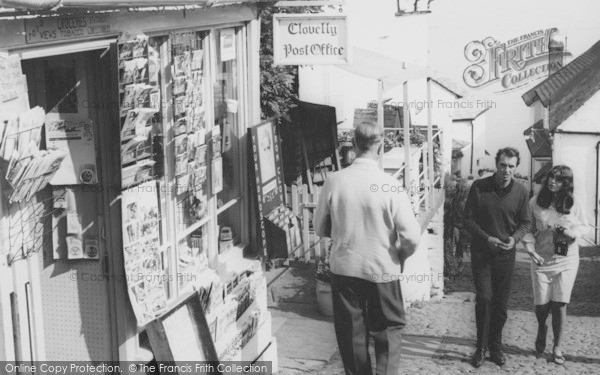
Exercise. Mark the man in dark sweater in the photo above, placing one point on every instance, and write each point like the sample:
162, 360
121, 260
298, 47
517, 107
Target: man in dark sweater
497, 215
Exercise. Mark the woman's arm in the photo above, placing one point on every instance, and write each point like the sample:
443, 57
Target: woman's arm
529, 239
581, 227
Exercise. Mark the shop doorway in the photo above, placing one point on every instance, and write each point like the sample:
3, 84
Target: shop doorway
77, 298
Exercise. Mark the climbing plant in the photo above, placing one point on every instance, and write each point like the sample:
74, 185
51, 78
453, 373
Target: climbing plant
278, 83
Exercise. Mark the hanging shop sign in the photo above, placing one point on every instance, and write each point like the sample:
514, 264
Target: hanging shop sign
46, 29
513, 63
310, 39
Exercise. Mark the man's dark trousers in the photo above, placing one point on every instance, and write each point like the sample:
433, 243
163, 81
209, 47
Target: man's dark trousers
492, 273
360, 307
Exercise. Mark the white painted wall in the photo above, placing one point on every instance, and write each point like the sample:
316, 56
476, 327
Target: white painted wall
466, 162
462, 131
442, 117
456, 23
480, 130
579, 153
586, 118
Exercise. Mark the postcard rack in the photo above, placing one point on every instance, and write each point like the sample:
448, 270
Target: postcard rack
139, 110
189, 130
26, 227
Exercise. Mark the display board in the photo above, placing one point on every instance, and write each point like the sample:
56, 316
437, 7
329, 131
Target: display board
144, 268
182, 334
268, 174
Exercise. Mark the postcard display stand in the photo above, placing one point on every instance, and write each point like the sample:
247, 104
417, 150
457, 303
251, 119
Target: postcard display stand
25, 168
278, 233
139, 103
232, 322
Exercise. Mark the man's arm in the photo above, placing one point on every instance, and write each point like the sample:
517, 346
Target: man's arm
524, 220
470, 221
407, 226
322, 217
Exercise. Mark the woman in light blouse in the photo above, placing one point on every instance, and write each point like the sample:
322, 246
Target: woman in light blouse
558, 221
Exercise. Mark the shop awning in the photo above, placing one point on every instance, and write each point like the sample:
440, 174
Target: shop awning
389, 71
45, 5
538, 140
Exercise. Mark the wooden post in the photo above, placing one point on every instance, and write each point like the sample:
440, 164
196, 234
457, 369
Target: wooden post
426, 182
380, 115
314, 199
305, 229
406, 120
294, 200
431, 160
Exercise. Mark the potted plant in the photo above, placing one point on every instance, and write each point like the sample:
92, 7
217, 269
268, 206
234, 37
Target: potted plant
323, 276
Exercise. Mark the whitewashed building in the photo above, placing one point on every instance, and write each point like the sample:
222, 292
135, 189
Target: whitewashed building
565, 108
469, 128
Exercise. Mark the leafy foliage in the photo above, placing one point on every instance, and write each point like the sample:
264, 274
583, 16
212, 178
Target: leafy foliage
278, 83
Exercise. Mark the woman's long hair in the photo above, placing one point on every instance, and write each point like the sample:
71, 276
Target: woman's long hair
563, 201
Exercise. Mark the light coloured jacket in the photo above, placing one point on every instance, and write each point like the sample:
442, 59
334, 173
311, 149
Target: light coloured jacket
369, 218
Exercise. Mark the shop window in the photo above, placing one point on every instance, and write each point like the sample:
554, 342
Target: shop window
226, 89
203, 146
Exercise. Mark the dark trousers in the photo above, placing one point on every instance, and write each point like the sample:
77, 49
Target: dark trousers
492, 273
360, 307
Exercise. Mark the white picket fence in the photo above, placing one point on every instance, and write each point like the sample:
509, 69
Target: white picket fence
303, 204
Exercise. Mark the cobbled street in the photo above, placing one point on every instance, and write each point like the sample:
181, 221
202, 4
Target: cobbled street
440, 336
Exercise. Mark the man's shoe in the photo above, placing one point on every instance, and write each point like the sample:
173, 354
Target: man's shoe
498, 357
478, 357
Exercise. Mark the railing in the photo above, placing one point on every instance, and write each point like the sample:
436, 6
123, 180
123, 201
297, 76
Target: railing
303, 204
419, 183
420, 188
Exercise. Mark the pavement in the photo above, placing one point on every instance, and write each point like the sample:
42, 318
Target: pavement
440, 335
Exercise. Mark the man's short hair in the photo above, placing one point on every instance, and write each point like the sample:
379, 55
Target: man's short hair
367, 135
510, 152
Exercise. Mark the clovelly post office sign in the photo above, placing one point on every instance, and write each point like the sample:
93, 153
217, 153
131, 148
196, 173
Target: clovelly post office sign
310, 39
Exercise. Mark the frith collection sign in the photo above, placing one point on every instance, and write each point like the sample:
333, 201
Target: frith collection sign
310, 39
513, 63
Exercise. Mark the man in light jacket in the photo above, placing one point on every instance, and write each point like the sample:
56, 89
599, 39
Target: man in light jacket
369, 218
